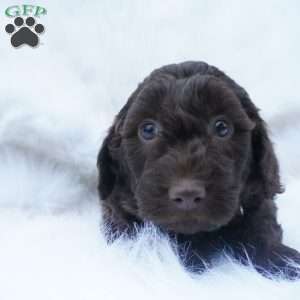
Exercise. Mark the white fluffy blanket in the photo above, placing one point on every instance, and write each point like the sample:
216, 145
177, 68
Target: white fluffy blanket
56, 102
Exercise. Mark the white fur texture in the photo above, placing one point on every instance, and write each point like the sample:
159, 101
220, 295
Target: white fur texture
56, 103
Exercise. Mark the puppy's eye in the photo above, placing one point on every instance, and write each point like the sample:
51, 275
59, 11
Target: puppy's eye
222, 128
148, 130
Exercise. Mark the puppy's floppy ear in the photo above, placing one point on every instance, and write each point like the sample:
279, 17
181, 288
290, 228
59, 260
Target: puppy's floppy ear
107, 163
108, 158
264, 176
265, 164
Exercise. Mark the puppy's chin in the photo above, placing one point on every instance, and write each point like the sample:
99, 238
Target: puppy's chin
190, 227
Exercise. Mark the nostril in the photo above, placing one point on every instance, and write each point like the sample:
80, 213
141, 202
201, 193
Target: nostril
178, 200
197, 200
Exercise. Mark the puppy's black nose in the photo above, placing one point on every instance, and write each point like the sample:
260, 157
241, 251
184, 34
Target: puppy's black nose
187, 194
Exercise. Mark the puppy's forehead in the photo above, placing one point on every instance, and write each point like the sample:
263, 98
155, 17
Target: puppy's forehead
205, 96
200, 97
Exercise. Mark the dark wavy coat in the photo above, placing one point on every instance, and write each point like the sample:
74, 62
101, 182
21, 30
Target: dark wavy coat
240, 174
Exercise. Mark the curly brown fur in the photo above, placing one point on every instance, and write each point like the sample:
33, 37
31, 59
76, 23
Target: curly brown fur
233, 178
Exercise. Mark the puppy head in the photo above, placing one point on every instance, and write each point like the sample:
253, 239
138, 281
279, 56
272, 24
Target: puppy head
187, 150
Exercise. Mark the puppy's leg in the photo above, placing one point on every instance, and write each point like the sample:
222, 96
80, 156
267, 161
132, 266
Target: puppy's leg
117, 223
197, 252
280, 260
260, 239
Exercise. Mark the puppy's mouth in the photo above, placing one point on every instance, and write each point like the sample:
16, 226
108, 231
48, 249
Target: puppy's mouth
188, 226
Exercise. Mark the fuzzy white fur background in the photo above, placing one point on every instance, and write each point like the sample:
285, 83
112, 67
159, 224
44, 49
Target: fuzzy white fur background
56, 103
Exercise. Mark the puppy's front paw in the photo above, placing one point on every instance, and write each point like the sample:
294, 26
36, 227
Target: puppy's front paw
113, 231
281, 261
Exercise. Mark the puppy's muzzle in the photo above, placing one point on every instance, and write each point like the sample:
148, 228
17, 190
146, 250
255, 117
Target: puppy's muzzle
187, 194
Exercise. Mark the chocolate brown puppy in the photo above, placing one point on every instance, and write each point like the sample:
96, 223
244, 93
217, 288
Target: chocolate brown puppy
190, 153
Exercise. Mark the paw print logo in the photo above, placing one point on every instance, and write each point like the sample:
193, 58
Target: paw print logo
24, 33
